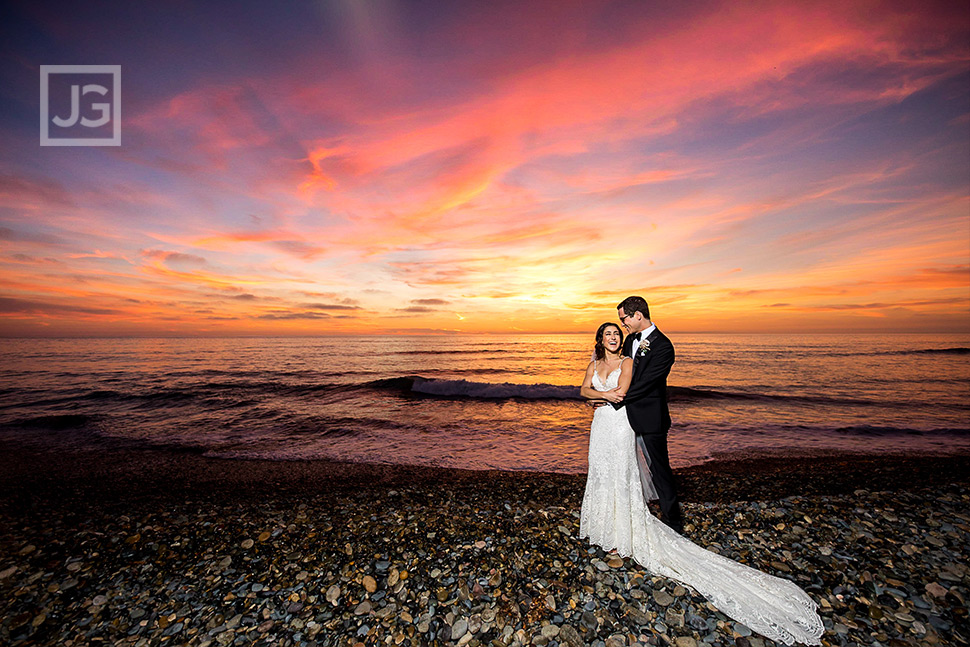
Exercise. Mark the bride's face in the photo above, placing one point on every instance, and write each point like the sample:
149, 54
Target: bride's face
611, 339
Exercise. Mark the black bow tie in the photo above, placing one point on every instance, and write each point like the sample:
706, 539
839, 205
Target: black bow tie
636, 336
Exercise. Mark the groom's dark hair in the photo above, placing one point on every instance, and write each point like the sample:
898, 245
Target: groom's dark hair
634, 304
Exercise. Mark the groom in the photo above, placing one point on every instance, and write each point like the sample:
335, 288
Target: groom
646, 399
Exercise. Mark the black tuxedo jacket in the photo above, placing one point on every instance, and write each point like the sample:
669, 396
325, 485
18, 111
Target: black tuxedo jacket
646, 401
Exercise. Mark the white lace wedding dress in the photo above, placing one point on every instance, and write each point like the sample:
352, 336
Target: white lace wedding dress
615, 517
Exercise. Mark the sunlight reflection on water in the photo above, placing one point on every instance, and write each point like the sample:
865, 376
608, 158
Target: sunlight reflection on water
355, 399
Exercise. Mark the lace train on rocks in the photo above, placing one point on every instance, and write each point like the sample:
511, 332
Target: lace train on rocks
615, 516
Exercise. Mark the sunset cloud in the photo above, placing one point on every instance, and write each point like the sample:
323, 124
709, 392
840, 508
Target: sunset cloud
175, 258
746, 167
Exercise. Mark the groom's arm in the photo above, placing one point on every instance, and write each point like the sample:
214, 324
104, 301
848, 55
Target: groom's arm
661, 360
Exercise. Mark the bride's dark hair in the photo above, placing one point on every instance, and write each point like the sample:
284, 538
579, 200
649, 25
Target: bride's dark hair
600, 349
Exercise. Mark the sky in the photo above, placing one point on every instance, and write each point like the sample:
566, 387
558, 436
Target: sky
351, 167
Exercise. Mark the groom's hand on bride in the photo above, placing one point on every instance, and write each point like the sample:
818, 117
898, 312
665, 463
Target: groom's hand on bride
613, 396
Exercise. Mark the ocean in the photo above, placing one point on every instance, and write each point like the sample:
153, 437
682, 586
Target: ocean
479, 401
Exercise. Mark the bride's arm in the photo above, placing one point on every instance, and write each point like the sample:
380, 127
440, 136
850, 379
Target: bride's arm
626, 376
587, 390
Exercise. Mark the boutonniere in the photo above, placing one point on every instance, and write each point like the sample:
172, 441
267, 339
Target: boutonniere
644, 347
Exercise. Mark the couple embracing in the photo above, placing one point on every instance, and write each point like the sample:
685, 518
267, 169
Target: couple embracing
628, 465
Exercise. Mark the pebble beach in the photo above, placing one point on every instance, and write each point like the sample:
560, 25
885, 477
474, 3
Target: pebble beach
171, 548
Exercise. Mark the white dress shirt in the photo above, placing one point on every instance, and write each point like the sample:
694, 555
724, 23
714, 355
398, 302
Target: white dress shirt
643, 335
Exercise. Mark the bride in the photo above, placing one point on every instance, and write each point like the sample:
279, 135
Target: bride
615, 516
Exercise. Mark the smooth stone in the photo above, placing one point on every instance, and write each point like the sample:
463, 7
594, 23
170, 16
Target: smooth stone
939, 623
685, 641
370, 584
550, 631
247, 544
570, 637
696, 622
934, 589
475, 624
674, 618
742, 630
459, 628
637, 616
173, 629
362, 608
662, 598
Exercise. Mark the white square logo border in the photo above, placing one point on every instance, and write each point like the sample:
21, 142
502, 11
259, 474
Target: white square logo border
114, 71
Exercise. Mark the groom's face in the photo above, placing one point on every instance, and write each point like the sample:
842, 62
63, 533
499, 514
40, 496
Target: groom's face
630, 323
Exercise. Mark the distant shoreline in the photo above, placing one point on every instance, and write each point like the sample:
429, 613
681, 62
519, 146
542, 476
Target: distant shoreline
443, 333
